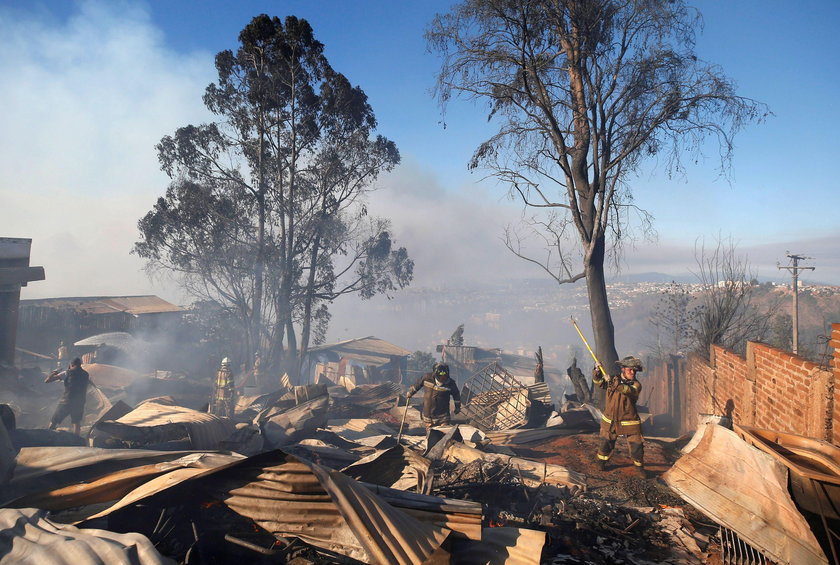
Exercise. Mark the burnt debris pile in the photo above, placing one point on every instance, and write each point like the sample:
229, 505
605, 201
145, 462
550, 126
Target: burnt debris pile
328, 473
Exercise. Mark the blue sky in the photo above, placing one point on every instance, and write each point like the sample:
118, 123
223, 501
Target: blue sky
91, 86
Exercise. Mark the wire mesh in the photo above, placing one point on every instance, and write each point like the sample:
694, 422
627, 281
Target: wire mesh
494, 400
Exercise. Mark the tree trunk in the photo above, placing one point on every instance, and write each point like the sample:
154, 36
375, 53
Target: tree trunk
259, 267
306, 325
599, 311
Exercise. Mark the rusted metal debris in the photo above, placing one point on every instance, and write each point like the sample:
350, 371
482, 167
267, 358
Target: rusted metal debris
342, 490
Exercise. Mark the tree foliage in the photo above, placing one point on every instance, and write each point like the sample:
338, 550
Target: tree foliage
265, 214
419, 363
584, 91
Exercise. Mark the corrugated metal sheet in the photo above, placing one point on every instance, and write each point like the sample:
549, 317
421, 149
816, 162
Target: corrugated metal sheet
285, 426
367, 350
206, 431
359, 428
463, 517
514, 437
40, 470
146, 304
292, 498
746, 491
508, 546
115, 485
364, 399
27, 538
396, 467
539, 392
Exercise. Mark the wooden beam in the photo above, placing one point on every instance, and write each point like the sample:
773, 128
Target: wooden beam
20, 275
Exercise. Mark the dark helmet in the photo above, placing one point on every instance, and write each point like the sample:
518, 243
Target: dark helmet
440, 369
76, 362
632, 362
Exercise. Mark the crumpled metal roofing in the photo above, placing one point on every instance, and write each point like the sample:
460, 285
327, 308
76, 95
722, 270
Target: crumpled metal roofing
396, 467
364, 399
745, 490
284, 426
293, 498
55, 478
206, 431
27, 538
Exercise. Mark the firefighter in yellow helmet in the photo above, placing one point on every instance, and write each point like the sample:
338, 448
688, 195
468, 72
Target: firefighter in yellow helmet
223, 401
620, 417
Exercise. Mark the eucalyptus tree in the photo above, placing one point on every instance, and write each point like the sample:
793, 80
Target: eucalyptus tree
260, 173
583, 92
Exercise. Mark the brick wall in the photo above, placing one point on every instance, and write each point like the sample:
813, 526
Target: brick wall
769, 388
734, 389
698, 390
835, 385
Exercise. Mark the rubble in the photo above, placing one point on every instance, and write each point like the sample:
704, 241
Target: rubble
315, 474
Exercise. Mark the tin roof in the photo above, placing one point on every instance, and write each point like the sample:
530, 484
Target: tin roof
369, 350
137, 305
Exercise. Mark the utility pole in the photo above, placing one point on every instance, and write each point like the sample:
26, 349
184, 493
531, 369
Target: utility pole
794, 269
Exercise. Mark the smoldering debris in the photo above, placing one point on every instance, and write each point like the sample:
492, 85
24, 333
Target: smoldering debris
308, 475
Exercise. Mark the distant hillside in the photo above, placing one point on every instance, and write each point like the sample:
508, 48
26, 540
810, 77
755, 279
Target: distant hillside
522, 315
652, 278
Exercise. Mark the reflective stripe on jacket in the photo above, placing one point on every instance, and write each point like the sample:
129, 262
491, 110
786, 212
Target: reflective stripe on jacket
436, 397
620, 415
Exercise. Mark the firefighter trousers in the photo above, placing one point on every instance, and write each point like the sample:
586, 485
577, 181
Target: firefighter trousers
637, 447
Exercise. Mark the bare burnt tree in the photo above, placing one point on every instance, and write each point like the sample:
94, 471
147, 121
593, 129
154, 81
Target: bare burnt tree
672, 319
727, 313
584, 91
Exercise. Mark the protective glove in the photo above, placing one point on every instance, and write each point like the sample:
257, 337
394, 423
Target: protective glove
457, 408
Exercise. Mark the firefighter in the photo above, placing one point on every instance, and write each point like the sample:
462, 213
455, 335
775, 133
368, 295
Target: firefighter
620, 417
61, 355
439, 388
223, 396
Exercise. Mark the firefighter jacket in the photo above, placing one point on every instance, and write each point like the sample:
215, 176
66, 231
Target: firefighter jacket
437, 394
619, 414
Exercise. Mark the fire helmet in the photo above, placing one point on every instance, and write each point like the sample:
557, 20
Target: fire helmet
631, 362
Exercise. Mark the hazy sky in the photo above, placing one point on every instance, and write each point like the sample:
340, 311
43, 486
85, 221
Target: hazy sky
90, 87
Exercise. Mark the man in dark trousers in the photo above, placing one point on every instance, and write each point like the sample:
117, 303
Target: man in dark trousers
72, 402
438, 389
619, 417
